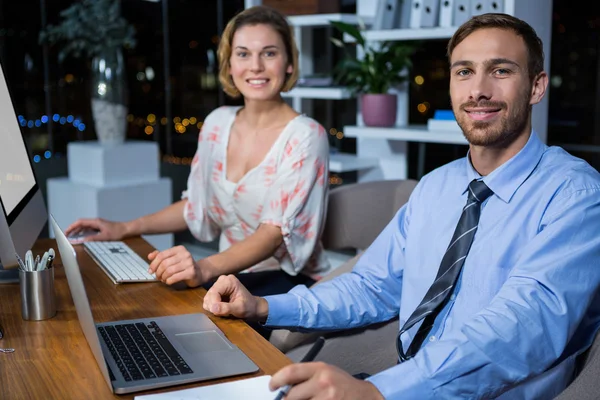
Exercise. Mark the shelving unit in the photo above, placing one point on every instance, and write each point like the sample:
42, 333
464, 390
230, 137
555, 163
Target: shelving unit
382, 152
406, 34
327, 93
302, 96
342, 162
389, 145
411, 133
316, 20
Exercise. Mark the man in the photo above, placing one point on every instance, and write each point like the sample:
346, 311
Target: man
493, 265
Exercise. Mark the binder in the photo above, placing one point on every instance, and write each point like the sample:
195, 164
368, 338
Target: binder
405, 12
366, 8
461, 12
494, 6
446, 8
387, 15
478, 7
430, 13
378, 18
415, 13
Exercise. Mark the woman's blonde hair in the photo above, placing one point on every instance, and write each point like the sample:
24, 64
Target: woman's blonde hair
257, 15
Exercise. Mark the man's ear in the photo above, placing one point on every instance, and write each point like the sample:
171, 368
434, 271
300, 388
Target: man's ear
538, 89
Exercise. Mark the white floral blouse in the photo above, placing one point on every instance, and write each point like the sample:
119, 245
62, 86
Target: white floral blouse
288, 189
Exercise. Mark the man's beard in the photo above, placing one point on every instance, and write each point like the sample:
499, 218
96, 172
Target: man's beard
495, 133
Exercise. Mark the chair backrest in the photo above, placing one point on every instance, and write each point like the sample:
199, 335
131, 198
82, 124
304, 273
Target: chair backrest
358, 212
585, 386
356, 215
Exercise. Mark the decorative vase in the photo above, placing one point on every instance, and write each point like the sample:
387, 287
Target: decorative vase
109, 96
379, 109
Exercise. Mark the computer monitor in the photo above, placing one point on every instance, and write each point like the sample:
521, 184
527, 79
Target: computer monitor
23, 212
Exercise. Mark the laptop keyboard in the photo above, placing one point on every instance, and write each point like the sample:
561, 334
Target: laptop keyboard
124, 264
143, 351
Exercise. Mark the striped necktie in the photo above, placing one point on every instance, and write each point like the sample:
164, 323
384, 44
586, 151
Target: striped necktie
450, 268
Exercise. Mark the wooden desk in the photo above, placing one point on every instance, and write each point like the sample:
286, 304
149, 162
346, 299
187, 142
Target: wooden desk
52, 359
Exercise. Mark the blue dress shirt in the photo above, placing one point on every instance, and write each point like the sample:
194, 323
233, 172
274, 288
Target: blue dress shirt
527, 301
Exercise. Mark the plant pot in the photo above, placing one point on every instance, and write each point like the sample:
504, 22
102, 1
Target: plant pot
379, 109
109, 96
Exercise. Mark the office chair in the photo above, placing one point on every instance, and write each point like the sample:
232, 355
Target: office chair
585, 386
356, 214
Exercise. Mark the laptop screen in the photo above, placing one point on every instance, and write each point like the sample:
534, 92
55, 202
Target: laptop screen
82, 304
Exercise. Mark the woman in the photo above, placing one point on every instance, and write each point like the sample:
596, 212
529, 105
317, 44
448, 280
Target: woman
259, 178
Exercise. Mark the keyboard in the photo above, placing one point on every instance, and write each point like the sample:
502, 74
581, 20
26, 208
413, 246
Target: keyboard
119, 262
143, 351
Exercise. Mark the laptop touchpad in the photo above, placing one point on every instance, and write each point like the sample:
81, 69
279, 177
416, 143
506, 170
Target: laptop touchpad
202, 342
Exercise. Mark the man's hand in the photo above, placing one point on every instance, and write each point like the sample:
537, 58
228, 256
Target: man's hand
177, 264
228, 297
317, 380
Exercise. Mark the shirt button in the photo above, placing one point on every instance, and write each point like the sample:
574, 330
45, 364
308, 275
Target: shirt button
453, 297
432, 338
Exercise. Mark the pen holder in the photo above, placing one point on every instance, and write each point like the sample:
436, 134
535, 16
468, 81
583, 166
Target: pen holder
38, 300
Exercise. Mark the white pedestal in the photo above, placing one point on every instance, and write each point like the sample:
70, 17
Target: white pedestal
118, 183
127, 163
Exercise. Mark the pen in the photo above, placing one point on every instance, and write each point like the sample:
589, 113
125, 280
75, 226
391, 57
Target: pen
29, 260
43, 262
21, 264
51, 255
312, 353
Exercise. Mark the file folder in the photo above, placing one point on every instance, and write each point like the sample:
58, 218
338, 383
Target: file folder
478, 7
415, 13
494, 6
446, 9
430, 13
387, 15
462, 12
405, 10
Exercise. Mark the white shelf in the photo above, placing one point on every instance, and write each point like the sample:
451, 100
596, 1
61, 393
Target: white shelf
323, 19
411, 133
329, 93
342, 162
406, 34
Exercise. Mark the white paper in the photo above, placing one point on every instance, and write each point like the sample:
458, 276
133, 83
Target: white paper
250, 389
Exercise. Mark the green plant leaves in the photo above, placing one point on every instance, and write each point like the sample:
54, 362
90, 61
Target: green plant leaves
350, 30
382, 66
88, 27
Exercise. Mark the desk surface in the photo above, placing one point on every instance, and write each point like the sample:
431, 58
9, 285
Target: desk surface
52, 359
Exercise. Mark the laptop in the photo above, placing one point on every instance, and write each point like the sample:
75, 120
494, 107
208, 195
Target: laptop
149, 353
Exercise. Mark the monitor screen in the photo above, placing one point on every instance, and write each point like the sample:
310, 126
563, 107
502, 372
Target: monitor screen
23, 214
17, 180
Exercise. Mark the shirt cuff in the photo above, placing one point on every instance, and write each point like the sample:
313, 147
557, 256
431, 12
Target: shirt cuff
279, 310
403, 381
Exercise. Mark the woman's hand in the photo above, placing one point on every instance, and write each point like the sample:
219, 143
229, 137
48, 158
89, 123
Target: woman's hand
177, 264
107, 230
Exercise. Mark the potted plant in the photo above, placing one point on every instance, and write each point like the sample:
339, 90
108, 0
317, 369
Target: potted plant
95, 30
372, 76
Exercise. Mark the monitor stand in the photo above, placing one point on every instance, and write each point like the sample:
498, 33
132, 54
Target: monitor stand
9, 275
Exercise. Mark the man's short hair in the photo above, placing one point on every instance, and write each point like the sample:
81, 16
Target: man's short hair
535, 48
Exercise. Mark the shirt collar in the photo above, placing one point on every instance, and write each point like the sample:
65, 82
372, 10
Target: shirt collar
506, 179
